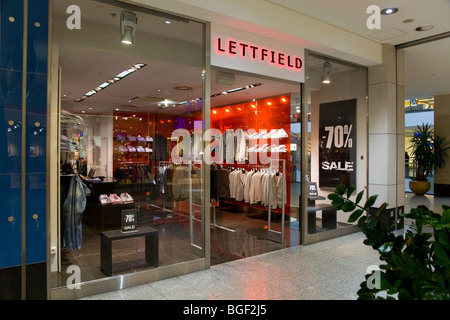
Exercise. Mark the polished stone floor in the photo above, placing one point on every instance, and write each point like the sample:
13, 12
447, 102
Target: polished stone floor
329, 270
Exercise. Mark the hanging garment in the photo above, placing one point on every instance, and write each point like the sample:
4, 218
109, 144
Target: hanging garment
233, 181
240, 185
73, 208
247, 184
229, 146
241, 145
160, 148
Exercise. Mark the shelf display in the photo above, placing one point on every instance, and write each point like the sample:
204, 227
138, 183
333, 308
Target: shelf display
257, 132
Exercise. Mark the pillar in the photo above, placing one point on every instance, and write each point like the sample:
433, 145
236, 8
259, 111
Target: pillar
386, 132
442, 129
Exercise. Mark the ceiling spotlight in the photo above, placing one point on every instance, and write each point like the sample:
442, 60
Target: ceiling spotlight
389, 11
326, 76
425, 27
128, 23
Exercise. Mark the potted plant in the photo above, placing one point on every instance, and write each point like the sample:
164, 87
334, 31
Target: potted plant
429, 152
415, 264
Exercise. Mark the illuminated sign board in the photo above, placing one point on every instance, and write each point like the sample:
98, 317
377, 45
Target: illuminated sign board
232, 49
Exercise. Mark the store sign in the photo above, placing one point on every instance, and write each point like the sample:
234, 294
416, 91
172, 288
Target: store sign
312, 189
129, 220
337, 143
233, 49
257, 53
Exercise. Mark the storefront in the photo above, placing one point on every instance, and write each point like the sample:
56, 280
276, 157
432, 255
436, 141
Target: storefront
165, 144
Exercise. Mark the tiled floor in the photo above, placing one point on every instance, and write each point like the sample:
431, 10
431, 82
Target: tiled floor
329, 270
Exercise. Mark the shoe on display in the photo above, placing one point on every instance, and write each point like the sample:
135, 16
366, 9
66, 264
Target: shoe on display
139, 138
131, 138
115, 199
132, 149
140, 149
148, 150
282, 133
104, 199
126, 198
123, 149
261, 134
148, 139
121, 137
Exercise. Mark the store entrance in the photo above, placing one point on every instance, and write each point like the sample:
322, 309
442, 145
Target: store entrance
255, 159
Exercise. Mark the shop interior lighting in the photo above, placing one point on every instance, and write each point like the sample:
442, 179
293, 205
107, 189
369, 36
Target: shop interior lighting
388, 11
326, 76
128, 23
237, 89
114, 80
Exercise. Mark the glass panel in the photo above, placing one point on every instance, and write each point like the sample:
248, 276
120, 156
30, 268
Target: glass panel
252, 156
336, 93
122, 107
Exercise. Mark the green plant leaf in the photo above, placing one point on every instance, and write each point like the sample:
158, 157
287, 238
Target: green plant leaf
337, 203
442, 238
333, 196
340, 189
348, 206
381, 209
355, 215
370, 202
442, 257
350, 191
445, 217
386, 247
359, 197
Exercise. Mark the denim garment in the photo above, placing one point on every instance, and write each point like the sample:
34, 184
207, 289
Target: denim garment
73, 209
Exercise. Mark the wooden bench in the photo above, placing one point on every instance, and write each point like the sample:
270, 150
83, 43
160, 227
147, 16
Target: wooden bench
107, 237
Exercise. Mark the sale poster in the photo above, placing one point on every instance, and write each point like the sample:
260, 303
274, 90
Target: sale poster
337, 143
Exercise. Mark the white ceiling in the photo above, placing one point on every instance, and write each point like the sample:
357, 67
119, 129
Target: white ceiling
427, 66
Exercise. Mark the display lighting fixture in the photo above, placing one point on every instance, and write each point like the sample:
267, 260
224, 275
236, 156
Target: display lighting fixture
326, 76
114, 80
128, 23
388, 11
237, 89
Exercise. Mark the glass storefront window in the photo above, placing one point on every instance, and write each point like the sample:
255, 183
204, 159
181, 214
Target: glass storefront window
124, 175
336, 95
254, 164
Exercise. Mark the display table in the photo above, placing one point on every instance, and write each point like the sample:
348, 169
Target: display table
107, 237
329, 214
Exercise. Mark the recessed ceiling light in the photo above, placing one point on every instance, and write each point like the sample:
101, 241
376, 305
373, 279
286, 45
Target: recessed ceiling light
388, 11
168, 22
425, 27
